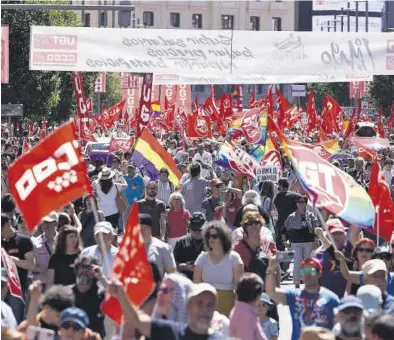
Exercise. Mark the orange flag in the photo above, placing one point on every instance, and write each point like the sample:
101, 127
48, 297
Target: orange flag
380, 194
131, 268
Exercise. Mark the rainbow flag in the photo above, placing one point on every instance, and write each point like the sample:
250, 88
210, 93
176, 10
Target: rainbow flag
149, 156
155, 107
328, 186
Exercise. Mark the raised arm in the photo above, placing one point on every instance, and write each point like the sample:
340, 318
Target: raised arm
276, 294
351, 276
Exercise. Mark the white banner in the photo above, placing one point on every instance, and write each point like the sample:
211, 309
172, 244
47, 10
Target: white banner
200, 52
197, 79
267, 173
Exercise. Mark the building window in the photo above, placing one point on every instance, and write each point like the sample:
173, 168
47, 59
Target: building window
147, 18
227, 22
260, 88
87, 20
255, 23
103, 19
175, 19
197, 20
276, 24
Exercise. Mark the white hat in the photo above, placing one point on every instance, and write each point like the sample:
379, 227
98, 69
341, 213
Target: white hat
199, 288
373, 266
104, 227
51, 217
371, 297
106, 173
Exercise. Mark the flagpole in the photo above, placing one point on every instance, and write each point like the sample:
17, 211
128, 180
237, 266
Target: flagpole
377, 225
100, 235
324, 225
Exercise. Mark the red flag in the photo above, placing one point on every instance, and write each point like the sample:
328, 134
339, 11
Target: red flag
311, 111
109, 117
196, 106
79, 92
283, 108
390, 121
226, 105
131, 268
239, 98
49, 176
380, 123
269, 101
14, 284
145, 110
26, 146
332, 118
363, 150
123, 144
380, 194
199, 127
250, 125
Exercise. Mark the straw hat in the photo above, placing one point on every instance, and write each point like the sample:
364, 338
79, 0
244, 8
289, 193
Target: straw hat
106, 173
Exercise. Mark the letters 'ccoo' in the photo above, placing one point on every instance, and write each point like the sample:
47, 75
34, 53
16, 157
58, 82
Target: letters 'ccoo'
49, 176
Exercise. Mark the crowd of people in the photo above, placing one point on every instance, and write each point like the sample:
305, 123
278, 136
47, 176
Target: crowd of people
223, 249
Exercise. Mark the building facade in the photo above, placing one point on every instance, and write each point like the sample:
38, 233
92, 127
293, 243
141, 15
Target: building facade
210, 15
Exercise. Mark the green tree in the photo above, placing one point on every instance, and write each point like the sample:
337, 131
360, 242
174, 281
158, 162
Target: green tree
114, 92
43, 94
339, 91
382, 92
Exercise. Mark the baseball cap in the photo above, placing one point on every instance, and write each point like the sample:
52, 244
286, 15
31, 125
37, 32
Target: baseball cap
371, 297
104, 227
199, 288
197, 220
145, 219
53, 216
349, 301
335, 225
4, 275
266, 298
372, 266
312, 261
76, 315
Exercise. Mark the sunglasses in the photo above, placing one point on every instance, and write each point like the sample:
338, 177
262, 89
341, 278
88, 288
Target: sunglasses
310, 271
214, 236
254, 223
72, 325
365, 250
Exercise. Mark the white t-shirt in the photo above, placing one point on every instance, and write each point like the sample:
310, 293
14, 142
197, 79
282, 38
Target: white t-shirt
219, 275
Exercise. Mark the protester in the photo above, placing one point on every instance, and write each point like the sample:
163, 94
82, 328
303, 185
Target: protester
312, 306
178, 219
7, 315
61, 263
269, 325
349, 319
189, 247
158, 252
219, 265
244, 319
164, 187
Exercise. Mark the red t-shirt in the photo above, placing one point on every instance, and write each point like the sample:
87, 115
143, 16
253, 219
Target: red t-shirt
178, 223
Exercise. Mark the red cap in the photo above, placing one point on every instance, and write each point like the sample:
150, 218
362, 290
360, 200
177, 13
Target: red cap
312, 261
334, 225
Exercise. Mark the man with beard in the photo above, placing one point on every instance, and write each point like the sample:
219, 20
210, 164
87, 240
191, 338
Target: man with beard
201, 305
349, 318
88, 294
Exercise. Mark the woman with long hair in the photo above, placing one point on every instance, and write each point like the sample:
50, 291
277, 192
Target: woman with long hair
61, 264
178, 218
219, 265
267, 194
106, 187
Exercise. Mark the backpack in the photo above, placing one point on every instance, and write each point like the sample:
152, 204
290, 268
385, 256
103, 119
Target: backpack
258, 264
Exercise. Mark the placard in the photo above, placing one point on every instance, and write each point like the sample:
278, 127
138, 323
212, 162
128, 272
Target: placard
212, 52
267, 173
